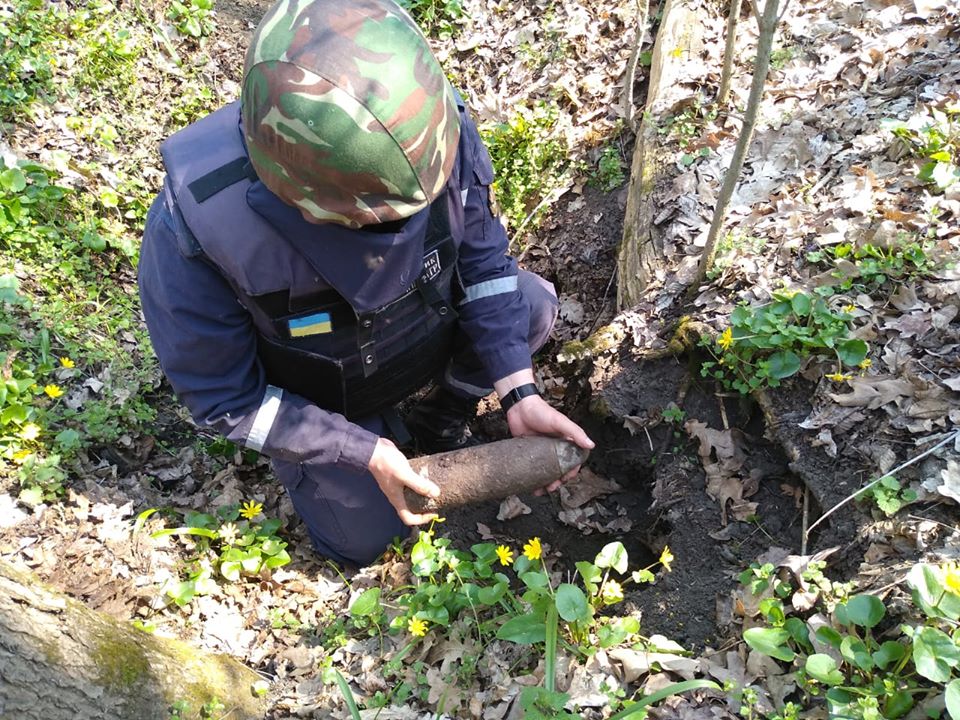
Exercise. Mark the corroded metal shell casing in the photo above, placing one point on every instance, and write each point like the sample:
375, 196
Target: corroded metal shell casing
493, 471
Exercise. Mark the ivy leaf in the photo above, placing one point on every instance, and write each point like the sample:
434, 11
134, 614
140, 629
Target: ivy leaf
823, 668
367, 603
801, 304
952, 699
572, 604
865, 610
613, 555
783, 364
890, 652
770, 641
13, 180
523, 630
934, 653
852, 352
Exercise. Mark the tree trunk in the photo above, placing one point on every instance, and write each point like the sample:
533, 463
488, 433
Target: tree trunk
675, 53
60, 659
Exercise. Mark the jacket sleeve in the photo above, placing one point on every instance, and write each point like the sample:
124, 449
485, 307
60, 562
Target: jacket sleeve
492, 314
206, 344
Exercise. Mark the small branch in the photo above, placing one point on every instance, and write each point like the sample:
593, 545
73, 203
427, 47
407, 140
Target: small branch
642, 13
756, 10
761, 65
729, 51
806, 518
783, 11
908, 463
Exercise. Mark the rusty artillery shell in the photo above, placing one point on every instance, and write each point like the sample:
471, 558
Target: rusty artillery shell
493, 471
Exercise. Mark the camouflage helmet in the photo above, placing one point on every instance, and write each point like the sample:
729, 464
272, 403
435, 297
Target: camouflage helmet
347, 114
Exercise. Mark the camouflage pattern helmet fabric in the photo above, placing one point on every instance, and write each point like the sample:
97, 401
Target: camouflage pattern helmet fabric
347, 114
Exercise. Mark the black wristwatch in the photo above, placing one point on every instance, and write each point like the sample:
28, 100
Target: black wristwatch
518, 394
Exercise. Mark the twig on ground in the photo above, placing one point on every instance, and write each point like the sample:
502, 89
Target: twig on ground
806, 519
642, 12
953, 436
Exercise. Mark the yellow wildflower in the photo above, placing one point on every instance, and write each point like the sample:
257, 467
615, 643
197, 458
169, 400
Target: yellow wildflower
251, 509
66, 362
30, 431
228, 533
951, 578
417, 627
726, 339
53, 391
867, 362
505, 554
838, 377
666, 557
20, 456
611, 592
532, 549
849, 308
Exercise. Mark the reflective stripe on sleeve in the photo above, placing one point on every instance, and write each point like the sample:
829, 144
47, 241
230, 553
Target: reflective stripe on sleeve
266, 414
463, 196
497, 286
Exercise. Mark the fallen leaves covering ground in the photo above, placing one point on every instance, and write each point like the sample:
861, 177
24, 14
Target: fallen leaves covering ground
822, 172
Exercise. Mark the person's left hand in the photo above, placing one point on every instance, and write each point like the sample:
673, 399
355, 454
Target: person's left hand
533, 416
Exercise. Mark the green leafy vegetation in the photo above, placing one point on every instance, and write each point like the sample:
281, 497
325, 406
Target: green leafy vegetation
506, 595
933, 136
609, 173
530, 162
437, 18
889, 495
859, 664
767, 344
193, 18
865, 267
27, 30
233, 544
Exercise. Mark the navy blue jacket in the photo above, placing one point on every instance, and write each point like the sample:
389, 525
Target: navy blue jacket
206, 341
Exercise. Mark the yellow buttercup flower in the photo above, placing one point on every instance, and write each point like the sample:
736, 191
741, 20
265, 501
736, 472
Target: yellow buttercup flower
532, 549
21, 456
251, 509
865, 363
849, 308
66, 362
30, 431
228, 533
666, 557
726, 339
417, 627
53, 391
505, 554
611, 592
951, 577
838, 377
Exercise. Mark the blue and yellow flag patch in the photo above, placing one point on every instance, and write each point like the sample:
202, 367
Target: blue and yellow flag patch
316, 324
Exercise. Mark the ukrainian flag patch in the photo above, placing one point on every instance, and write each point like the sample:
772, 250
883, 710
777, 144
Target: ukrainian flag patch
316, 324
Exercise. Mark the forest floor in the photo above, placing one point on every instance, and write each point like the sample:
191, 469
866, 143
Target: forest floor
834, 198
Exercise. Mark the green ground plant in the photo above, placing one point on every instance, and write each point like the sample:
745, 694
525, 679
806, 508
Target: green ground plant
766, 344
732, 246
437, 18
866, 666
530, 161
507, 596
889, 495
933, 137
28, 29
608, 174
233, 543
193, 18
871, 266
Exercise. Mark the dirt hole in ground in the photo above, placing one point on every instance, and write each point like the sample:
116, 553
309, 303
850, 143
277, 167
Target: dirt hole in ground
663, 500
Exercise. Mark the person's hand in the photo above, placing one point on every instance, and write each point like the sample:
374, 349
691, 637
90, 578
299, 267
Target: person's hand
393, 473
533, 416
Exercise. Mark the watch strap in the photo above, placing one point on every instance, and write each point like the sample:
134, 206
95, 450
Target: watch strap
518, 394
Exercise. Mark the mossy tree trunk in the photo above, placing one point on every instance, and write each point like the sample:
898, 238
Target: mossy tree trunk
676, 58
60, 659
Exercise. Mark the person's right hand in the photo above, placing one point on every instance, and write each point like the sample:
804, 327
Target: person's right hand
393, 473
